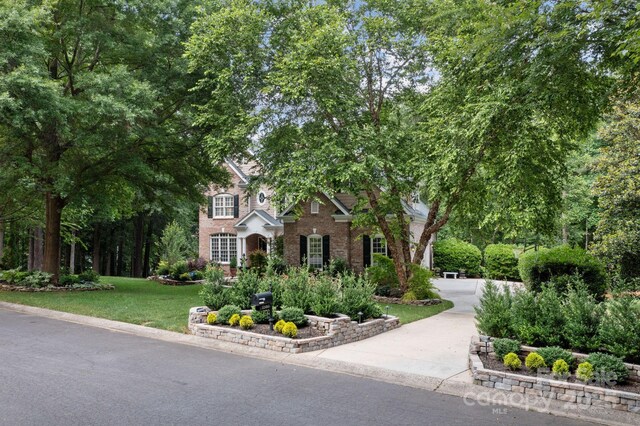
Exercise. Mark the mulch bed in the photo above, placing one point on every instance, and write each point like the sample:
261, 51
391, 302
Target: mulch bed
303, 332
399, 301
492, 363
9, 287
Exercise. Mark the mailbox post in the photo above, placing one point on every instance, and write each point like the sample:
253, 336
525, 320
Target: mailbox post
263, 302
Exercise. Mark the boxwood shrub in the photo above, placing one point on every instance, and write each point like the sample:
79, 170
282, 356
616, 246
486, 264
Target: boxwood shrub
500, 262
558, 265
608, 367
453, 254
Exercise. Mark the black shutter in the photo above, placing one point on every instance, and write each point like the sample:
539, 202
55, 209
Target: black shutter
210, 207
236, 205
303, 249
325, 250
366, 250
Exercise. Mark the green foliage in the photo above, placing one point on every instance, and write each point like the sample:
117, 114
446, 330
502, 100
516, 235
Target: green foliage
582, 317
420, 283
357, 293
260, 317
247, 284
296, 291
290, 330
584, 372
34, 279
512, 361
294, 315
523, 317
502, 347
338, 266
454, 255
178, 269
67, 280
383, 274
500, 262
560, 369
279, 325
325, 297
608, 367
211, 318
258, 260
275, 284
533, 361
619, 329
537, 319
214, 295
551, 354
226, 312
493, 315
246, 322
175, 244
234, 320
558, 265
184, 277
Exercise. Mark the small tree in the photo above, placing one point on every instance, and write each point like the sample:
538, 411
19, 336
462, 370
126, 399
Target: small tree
175, 243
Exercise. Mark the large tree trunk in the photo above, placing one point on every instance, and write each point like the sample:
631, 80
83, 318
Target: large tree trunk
147, 249
72, 254
53, 211
138, 239
96, 249
120, 262
38, 249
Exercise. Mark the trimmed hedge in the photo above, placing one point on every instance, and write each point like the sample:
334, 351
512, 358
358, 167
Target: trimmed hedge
559, 265
453, 255
500, 262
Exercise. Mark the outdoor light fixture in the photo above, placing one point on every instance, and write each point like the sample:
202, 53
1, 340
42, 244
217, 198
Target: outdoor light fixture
386, 308
360, 317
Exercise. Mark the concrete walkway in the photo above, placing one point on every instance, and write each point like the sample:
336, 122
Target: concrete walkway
435, 347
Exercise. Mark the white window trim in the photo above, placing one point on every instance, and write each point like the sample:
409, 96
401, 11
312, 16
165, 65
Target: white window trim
231, 252
315, 207
317, 237
226, 208
258, 198
372, 245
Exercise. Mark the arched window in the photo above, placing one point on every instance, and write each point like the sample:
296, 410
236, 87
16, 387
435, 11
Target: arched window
223, 205
223, 247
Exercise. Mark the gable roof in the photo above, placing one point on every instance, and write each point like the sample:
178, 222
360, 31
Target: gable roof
342, 209
237, 170
269, 220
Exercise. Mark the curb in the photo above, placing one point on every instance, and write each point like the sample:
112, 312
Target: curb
472, 394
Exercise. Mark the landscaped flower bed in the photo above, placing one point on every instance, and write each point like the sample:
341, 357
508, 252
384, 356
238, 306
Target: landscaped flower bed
167, 280
489, 372
332, 332
38, 281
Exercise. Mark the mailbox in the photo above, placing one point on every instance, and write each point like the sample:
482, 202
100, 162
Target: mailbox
262, 301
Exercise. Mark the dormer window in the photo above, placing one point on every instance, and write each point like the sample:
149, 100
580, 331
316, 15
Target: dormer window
315, 207
223, 206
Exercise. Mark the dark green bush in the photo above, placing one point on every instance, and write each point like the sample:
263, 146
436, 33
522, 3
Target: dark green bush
179, 268
551, 354
89, 276
420, 283
273, 283
226, 312
294, 315
619, 329
537, 319
260, 317
582, 317
558, 265
454, 255
493, 311
14, 276
500, 262
67, 280
338, 266
258, 260
296, 291
608, 367
382, 274
325, 299
244, 288
523, 317
357, 296
163, 268
502, 347
213, 293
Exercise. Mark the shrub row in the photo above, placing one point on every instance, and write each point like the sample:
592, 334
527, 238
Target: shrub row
321, 295
573, 320
39, 279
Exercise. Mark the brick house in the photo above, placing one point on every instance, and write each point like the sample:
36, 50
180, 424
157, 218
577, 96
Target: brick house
235, 221
321, 230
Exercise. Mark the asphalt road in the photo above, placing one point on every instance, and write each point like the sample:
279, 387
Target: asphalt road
59, 373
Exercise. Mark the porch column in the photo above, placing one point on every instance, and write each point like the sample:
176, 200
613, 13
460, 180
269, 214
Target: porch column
241, 248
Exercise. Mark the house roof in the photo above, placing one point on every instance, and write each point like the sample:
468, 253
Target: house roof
237, 169
266, 217
342, 209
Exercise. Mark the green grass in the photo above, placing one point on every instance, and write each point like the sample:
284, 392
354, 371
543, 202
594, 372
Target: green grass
410, 313
138, 301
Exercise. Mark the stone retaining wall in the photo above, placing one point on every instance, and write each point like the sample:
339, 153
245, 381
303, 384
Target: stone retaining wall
574, 395
399, 301
339, 330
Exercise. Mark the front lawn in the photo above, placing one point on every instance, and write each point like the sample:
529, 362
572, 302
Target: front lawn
138, 301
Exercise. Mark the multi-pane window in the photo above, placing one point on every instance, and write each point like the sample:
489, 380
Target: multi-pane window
315, 207
314, 252
378, 246
223, 205
223, 247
